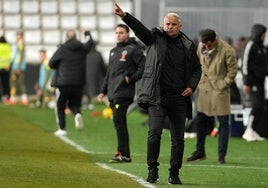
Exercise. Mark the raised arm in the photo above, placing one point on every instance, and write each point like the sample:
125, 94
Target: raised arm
142, 32
118, 11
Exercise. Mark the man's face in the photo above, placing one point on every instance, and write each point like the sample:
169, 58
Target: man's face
19, 37
42, 56
121, 34
263, 36
209, 45
172, 26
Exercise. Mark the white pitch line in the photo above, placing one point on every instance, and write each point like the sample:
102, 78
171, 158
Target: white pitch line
104, 166
72, 143
140, 180
135, 178
227, 166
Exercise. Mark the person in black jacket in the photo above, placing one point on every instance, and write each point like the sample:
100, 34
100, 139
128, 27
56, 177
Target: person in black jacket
69, 78
171, 74
254, 69
126, 65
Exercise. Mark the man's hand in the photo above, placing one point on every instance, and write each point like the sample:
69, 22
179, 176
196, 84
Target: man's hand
118, 11
127, 79
100, 97
187, 92
246, 89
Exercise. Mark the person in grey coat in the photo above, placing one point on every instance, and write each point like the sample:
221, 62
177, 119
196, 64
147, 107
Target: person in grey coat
95, 73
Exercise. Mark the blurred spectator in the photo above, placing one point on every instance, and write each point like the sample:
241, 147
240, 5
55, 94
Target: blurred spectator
5, 63
229, 40
240, 46
254, 67
43, 88
18, 70
235, 93
69, 63
95, 73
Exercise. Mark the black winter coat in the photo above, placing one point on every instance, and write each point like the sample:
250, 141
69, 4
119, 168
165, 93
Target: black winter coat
69, 62
255, 58
149, 92
126, 59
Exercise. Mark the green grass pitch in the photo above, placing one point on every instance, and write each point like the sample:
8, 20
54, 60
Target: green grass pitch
31, 156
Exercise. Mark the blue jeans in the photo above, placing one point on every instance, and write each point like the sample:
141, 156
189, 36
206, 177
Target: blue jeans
223, 136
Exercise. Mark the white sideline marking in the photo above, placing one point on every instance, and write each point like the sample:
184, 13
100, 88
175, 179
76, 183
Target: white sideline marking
72, 143
227, 166
135, 178
104, 166
140, 180
221, 166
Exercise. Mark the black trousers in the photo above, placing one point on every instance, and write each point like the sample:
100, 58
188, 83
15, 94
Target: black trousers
5, 79
119, 107
257, 99
223, 139
67, 96
175, 110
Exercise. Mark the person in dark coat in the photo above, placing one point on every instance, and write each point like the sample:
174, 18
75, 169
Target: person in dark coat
126, 65
95, 73
254, 69
172, 72
69, 63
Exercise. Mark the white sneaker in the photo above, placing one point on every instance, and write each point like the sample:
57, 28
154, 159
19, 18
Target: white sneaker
258, 137
249, 135
90, 107
186, 135
78, 121
60, 132
192, 135
189, 135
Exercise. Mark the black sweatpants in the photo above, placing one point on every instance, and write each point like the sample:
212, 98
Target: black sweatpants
67, 96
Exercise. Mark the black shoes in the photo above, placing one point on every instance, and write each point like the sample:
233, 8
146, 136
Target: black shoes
221, 160
175, 180
153, 176
118, 158
197, 156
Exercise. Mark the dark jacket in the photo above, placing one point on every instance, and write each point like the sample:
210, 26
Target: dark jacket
255, 58
95, 72
69, 63
126, 59
149, 92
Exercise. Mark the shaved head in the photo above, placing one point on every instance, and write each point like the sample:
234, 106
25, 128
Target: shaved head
71, 34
